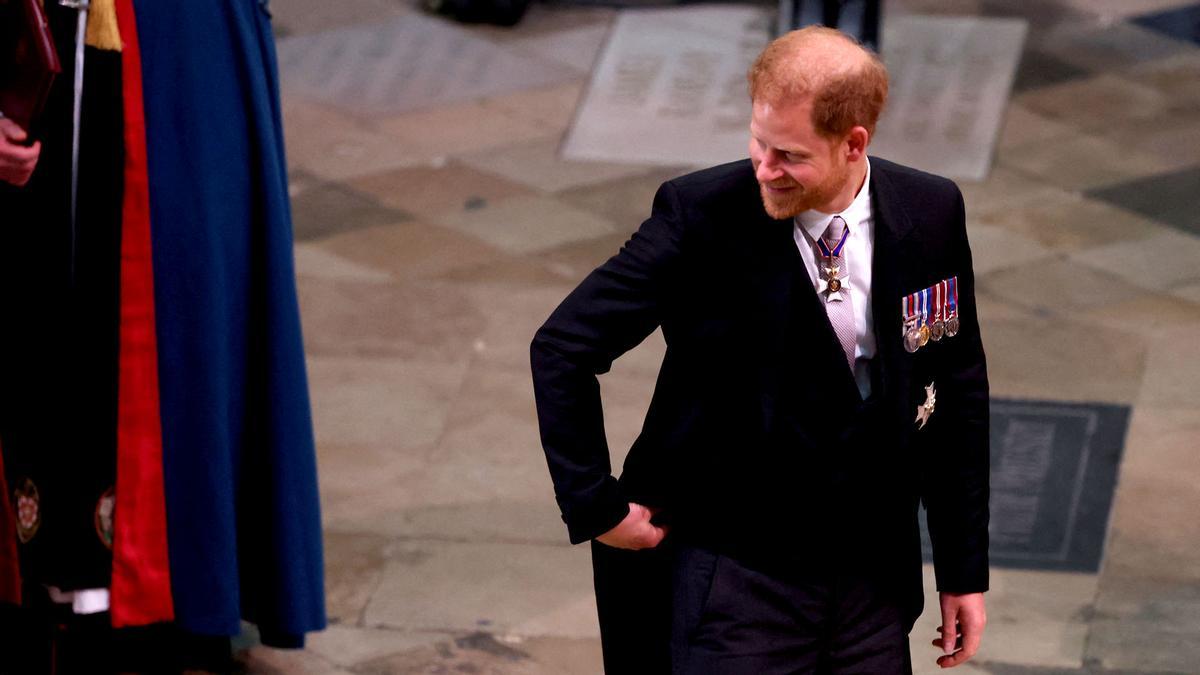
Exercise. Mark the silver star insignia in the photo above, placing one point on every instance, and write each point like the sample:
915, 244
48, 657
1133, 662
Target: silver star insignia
926, 409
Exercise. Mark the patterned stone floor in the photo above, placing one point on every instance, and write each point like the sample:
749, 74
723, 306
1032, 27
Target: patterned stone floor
437, 227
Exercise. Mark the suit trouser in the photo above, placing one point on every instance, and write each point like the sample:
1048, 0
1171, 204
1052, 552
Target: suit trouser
730, 618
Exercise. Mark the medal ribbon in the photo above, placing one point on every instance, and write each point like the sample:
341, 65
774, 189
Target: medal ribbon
953, 296
837, 250
925, 307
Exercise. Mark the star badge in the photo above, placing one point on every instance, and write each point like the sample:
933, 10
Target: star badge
926, 409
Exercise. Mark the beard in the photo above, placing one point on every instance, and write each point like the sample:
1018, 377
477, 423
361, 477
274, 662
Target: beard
799, 198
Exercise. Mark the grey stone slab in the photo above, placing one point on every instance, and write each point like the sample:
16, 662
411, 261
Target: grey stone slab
950, 81
1152, 263
511, 586
315, 262
1181, 23
407, 62
300, 17
1172, 369
1084, 161
1146, 625
330, 208
1039, 69
1054, 469
577, 48
1114, 10
1106, 45
1172, 198
1064, 222
487, 654
666, 78
1098, 102
350, 646
1058, 287
539, 165
527, 224
353, 564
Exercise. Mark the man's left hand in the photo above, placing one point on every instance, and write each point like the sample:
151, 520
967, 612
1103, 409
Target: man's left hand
963, 619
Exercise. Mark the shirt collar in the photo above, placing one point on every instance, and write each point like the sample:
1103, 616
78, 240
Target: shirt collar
816, 222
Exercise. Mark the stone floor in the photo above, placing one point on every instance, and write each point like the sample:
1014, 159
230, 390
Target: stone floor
437, 227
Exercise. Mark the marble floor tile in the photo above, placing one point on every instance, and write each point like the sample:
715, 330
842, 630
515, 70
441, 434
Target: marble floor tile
1154, 530
526, 224
547, 20
1023, 126
471, 127
1176, 76
1121, 9
330, 208
1174, 134
1172, 369
412, 320
572, 262
1082, 161
484, 654
1147, 625
315, 262
1181, 23
540, 166
412, 61
1050, 358
1148, 315
422, 588
301, 17
388, 403
349, 646
1038, 69
1189, 291
552, 109
351, 475
270, 661
625, 202
336, 145
413, 250
1065, 222
1096, 103
470, 520
1059, 287
430, 190
1104, 45
1172, 198
353, 565
576, 48
995, 248
513, 316
1151, 263
519, 273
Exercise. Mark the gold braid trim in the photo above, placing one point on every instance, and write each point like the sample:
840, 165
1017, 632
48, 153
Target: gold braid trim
102, 30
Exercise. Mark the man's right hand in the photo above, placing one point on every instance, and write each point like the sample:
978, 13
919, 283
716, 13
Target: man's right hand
16, 161
635, 531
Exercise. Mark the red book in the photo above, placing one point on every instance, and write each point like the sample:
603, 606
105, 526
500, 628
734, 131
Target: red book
28, 60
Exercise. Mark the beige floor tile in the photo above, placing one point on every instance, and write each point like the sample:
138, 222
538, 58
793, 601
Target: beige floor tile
293, 662
1146, 625
513, 316
577, 48
538, 165
423, 587
1178, 77
552, 108
1189, 291
349, 646
547, 20
1174, 135
1154, 525
472, 519
1118, 9
464, 128
389, 403
428, 190
412, 250
336, 145
1058, 287
520, 273
353, 565
1006, 190
996, 248
484, 654
352, 475
1173, 369
1096, 103
1023, 126
1044, 357
1061, 221
1152, 263
1082, 162
299, 17
626, 202
414, 320
1148, 315
315, 262
527, 224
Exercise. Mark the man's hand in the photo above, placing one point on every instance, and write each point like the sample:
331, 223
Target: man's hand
635, 531
963, 619
16, 161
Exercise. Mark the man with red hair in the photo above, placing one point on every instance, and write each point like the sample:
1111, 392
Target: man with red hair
824, 376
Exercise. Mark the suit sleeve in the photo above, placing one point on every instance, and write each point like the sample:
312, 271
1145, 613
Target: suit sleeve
609, 313
956, 470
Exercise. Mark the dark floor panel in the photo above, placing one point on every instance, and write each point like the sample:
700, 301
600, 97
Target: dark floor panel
1181, 24
1054, 471
1039, 69
1172, 198
326, 209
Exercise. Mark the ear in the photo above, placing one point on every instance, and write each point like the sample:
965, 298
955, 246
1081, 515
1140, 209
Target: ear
856, 143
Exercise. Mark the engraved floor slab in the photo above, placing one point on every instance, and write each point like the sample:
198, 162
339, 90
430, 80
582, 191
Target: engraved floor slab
1054, 469
666, 79
950, 80
406, 63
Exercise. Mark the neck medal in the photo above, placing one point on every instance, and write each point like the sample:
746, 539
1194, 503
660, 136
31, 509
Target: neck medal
834, 262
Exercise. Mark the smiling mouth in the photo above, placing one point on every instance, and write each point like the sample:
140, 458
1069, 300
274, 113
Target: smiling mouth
779, 189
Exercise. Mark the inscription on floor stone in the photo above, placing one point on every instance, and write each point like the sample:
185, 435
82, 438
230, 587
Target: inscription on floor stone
950, 79
407, 63
1054, 470
670, 88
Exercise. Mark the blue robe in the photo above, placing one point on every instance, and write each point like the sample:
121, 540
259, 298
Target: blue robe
244, 528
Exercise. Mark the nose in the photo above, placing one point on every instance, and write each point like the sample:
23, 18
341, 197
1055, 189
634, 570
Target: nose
768, 169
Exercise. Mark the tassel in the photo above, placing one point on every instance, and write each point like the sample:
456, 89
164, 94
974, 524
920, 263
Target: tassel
102, 29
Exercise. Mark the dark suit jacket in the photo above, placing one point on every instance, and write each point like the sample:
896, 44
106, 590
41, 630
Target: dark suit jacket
757, 442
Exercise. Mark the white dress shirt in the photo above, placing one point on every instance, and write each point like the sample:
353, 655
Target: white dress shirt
859, 249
